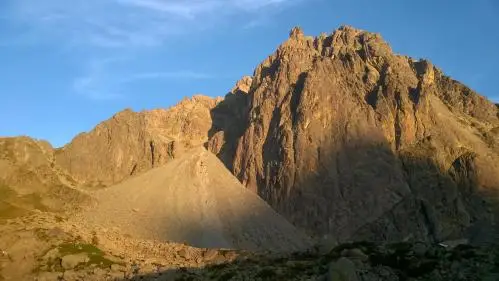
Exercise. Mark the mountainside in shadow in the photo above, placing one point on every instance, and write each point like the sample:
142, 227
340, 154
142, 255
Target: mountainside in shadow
345, 138
337, 133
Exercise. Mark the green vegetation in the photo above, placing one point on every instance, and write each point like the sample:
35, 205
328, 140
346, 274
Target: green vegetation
95, 254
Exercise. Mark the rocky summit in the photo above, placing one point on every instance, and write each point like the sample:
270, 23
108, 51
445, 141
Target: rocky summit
338, 159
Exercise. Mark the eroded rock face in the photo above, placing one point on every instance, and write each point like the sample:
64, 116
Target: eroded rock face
346, 138
133, 142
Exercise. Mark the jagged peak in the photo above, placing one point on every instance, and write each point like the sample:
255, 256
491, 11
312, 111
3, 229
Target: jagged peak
242, 85
296, 32
125, 111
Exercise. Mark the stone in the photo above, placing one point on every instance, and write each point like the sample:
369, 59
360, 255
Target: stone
210, 254
118, 267
184, 253
71, 261
71, 275
116, 275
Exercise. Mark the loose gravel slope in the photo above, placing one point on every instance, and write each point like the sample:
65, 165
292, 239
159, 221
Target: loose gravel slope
194, 199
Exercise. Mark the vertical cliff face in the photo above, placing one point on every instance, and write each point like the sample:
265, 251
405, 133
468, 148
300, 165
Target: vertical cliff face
346, 138
131, 142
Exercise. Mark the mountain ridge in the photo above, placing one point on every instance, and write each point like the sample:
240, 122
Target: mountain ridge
336, 132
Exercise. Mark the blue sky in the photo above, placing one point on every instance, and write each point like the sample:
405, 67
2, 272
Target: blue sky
68, 65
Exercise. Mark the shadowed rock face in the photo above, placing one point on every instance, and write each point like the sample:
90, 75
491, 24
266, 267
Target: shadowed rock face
346, 138
133, 142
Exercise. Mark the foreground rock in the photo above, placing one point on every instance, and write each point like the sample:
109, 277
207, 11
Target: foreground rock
30, 251
387, 262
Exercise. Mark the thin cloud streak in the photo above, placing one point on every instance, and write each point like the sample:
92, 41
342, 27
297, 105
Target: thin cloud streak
100, 82
127, 28
127, 23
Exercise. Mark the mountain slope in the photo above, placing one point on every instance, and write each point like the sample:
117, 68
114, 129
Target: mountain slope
30, 180
194, 199
132, 142
344, 137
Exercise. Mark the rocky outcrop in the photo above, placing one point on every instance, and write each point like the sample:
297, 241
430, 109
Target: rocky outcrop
131, 142
346, 138
30, 179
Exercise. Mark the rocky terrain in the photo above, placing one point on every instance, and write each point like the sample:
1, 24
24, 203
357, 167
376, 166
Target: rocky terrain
345, 139
194, 200
30, 179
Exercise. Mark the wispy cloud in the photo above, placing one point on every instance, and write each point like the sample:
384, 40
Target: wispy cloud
100, 81
126, 23
127, 28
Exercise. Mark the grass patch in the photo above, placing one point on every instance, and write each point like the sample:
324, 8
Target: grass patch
95, 254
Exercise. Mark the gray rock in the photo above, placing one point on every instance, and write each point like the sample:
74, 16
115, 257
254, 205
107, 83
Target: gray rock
210, 254
118, 268
184, 254
71, 275
116, 275
71, 261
